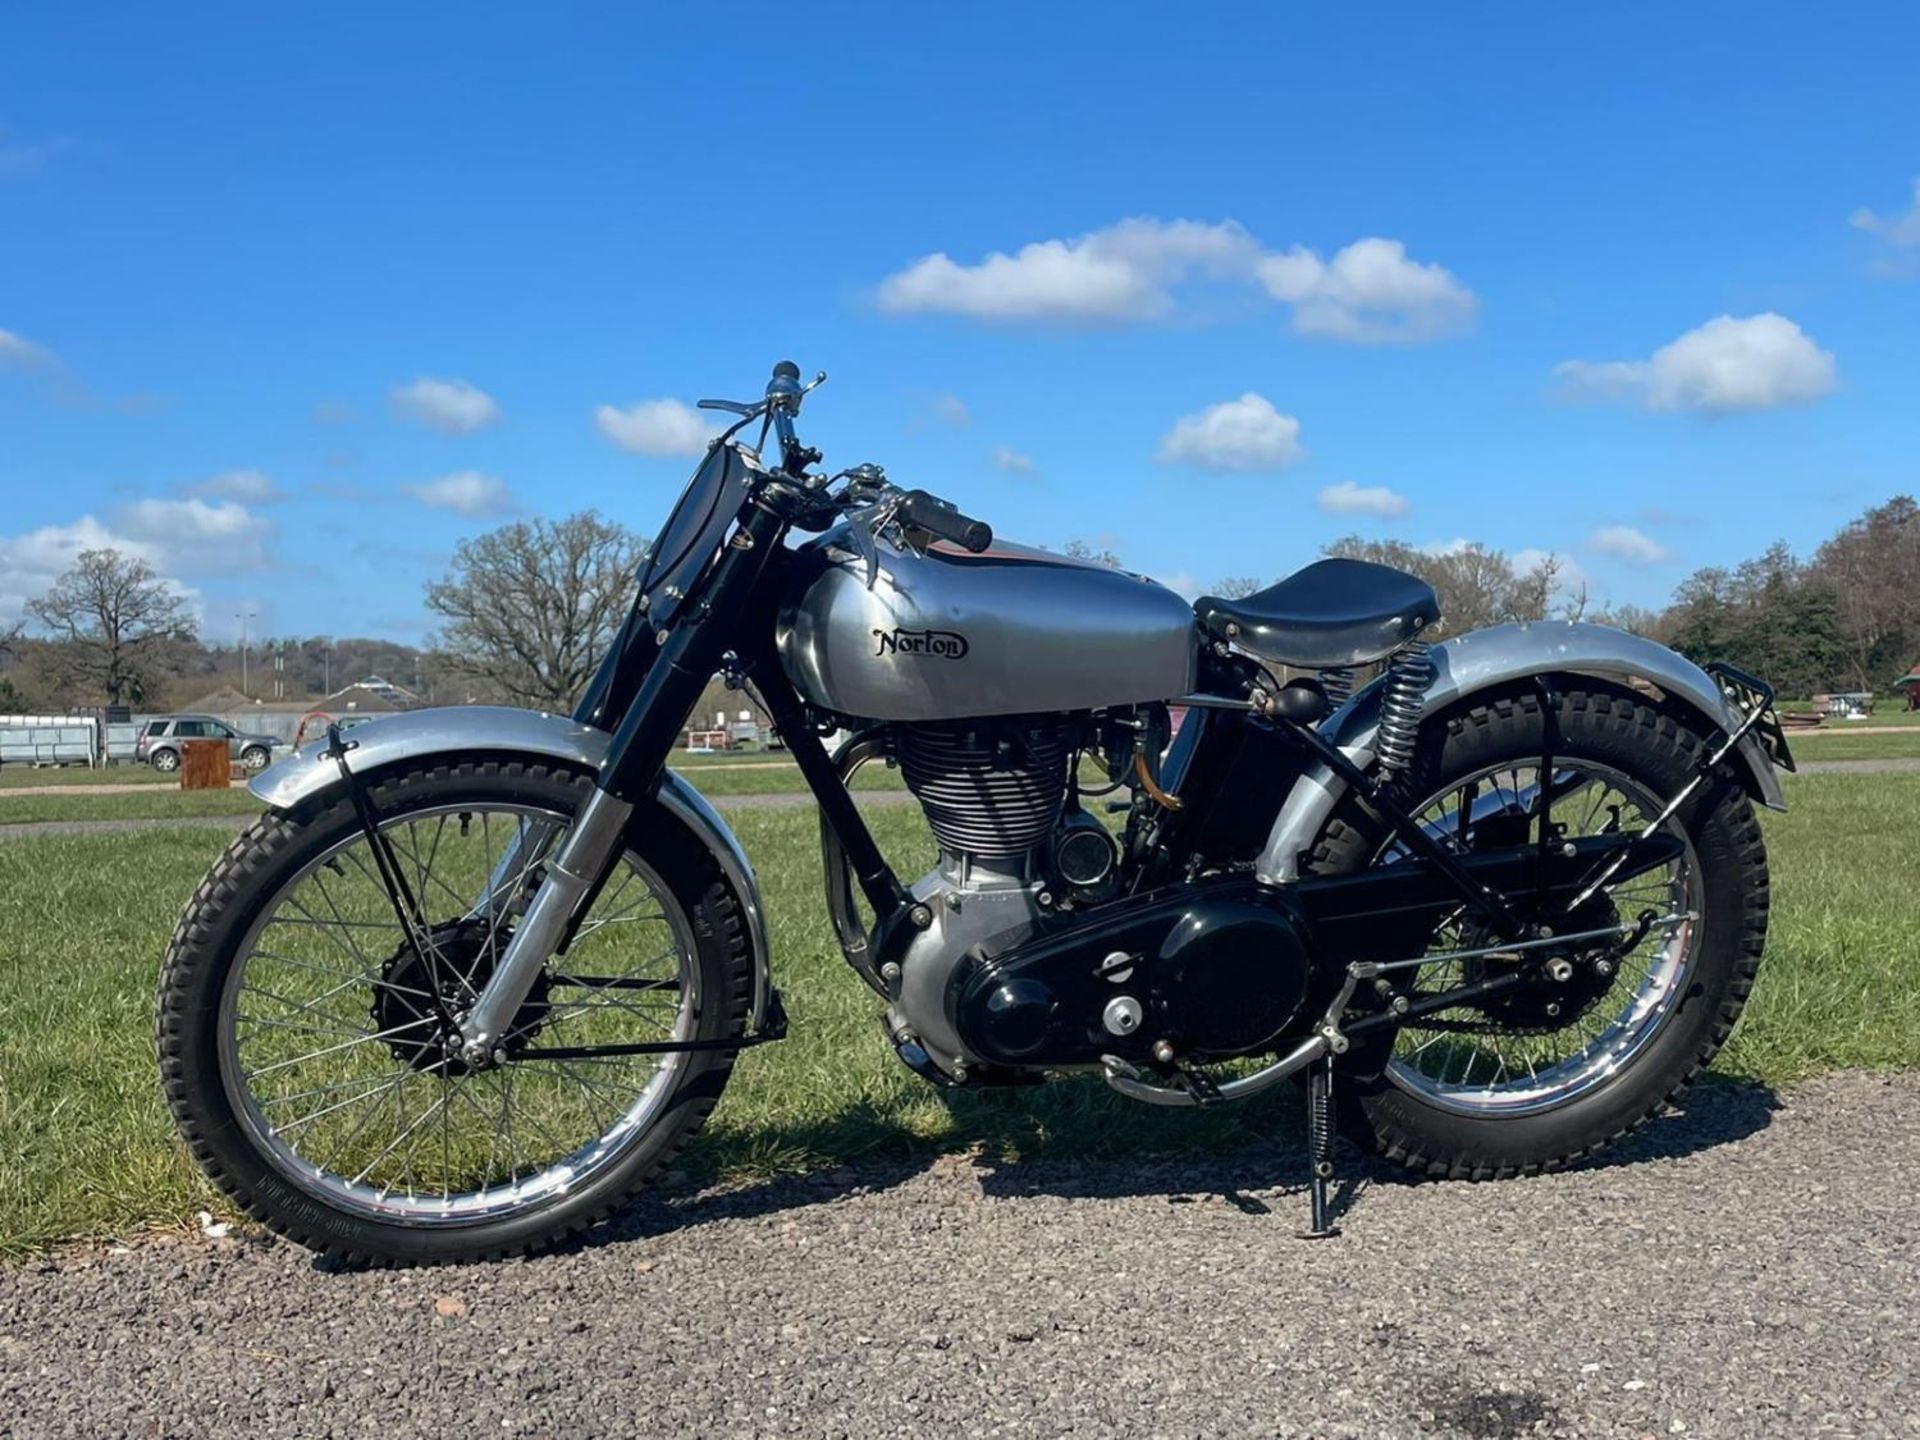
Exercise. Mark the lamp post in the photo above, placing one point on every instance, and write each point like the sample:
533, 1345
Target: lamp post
243, 616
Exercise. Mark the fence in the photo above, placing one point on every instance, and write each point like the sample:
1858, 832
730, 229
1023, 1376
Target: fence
49, 740
67, 740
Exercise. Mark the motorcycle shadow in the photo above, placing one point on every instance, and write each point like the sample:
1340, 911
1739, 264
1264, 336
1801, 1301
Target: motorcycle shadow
1023, 1143
1274, 1167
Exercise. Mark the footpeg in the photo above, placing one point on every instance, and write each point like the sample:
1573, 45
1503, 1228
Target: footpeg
1200, 1086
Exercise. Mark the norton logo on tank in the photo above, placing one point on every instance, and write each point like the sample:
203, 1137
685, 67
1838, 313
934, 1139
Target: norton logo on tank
932, 644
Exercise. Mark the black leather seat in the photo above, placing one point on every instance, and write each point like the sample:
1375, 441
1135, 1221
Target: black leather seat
1333, 613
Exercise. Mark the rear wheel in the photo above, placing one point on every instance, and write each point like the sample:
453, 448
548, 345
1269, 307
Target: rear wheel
1561, 1066
165, 761
303, 1034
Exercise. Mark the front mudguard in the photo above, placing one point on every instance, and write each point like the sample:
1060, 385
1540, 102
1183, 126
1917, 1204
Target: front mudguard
470, 732
1483, 659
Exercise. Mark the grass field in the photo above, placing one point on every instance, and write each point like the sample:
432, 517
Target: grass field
1866, 744
716, 776
14, 777
86, 1148
765, 776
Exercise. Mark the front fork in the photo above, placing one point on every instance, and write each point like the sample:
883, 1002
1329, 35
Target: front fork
645, 737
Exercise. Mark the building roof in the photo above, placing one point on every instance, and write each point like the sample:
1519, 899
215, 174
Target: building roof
218, 702
371, 696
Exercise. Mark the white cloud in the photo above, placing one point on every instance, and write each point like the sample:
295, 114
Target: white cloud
467, 492
21, 157
1182, 583
174, 537
952, 410
19, 353
453, 407
197, 537
1117, 274
1347, 498
1012, 460
1624, 543
1128, 273
249, 487
1726, 366
1459, 545
1369, 292
1243, 434
656, 427
1903, 229
31, 562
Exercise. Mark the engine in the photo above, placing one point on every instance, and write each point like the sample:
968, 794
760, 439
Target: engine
1030, 960
992, 790
1205, 973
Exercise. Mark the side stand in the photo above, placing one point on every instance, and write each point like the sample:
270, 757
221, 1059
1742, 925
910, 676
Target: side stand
1320, 1150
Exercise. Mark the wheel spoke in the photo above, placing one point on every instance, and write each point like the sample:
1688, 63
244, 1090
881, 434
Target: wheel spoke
1469, 1058
336, 1040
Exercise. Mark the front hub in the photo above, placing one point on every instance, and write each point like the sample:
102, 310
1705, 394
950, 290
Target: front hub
461, 958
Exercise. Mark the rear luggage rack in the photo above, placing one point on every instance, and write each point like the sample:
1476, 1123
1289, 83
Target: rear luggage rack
1752, 697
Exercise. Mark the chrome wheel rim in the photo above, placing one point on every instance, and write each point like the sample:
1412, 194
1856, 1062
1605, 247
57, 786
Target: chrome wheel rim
1511, 1074
361, 1117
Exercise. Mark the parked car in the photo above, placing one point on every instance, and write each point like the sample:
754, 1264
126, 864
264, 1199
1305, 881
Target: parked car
159, 743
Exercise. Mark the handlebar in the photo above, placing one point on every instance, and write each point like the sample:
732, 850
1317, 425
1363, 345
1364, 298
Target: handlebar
913, 509
922, 511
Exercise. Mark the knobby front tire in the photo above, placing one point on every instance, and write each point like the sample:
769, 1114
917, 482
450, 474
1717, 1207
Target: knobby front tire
287, 986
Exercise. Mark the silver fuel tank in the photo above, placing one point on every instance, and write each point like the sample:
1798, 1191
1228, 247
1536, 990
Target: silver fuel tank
946, 634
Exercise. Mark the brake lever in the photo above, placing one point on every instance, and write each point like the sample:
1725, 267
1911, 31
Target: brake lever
733, 407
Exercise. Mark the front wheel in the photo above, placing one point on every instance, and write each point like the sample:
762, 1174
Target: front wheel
303, 1033
1558, 1068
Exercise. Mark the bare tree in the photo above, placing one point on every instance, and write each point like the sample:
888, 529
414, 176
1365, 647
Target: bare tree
1236, 587
532, 606
1477, 586
117, 620
1099, 555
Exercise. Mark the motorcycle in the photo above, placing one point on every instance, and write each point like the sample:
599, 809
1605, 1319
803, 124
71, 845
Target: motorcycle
477, 974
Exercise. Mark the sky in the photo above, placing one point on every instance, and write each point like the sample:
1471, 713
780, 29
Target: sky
291, 302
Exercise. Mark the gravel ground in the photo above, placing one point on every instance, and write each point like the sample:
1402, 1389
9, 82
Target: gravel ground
1746, 1267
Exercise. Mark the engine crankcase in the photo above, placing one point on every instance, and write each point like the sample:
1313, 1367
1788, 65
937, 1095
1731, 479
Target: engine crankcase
1211, 974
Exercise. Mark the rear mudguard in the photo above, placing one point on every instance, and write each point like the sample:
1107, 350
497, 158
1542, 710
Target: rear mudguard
470, 732
1483, 659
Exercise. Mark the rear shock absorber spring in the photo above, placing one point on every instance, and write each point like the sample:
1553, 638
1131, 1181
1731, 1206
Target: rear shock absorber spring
1338, 684
1408, 676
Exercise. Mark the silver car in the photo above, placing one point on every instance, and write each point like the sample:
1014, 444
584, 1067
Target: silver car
159, 742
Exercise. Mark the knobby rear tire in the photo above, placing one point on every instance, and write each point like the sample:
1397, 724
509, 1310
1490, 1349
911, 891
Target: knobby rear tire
267, 857
1662, 750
